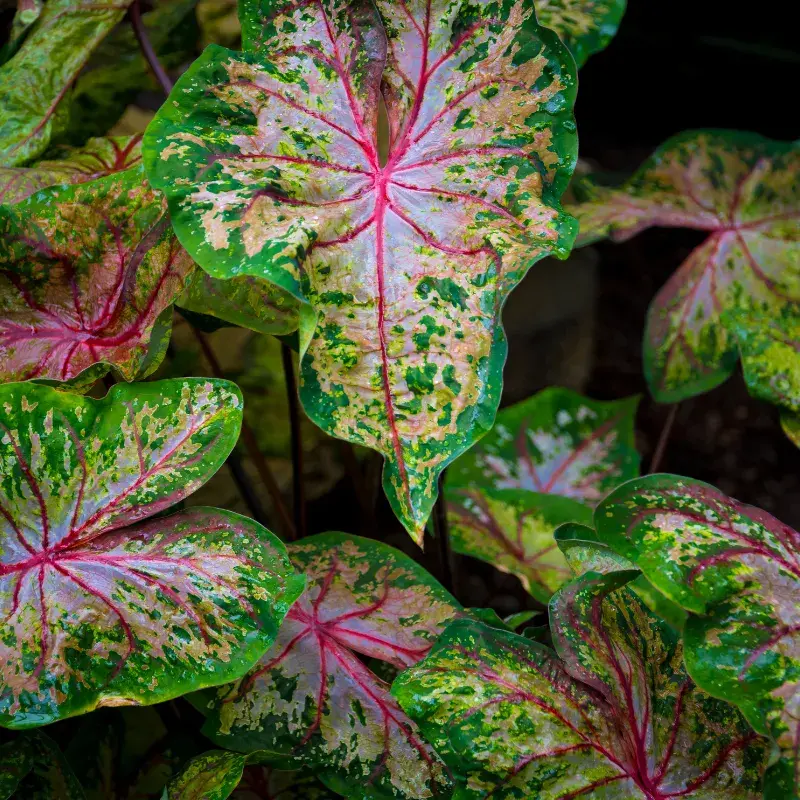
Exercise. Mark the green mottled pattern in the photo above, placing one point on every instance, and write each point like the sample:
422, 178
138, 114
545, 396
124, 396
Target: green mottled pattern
737, 569
67, 165
45, 773
618, 719
246, 301
85, 272
100, 608
512, 530
27, 13
791, 427
744, 190
406, 263
34, 83
15, 764
585, 26
313, 702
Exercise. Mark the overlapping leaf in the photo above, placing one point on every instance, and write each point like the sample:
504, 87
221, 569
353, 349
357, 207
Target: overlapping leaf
615, 717
34, 83
33, 768
85, 272
312, 702
741, 188
27, 13
96, 159
406, 263
585, 26
98, 607
737, 569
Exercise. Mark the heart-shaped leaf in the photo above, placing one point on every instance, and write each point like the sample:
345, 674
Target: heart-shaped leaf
270, 163
585, 26
313, 703
741, 188
37, 770
615, 717
97, 158
34, 83
513, 530
737, 569
85, 272
99, 608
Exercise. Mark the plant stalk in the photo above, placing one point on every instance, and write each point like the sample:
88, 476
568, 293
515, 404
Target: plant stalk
447, 572
661, 447
298, 488
146, 46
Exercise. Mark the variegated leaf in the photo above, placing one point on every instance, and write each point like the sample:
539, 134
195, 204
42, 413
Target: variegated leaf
616, 717
791, 427
45, 773
406, 262
85, 272
98, 607
737, 569
512, 530
313, 703
585, 26
28, 12
741, 188
96, 159
34, 83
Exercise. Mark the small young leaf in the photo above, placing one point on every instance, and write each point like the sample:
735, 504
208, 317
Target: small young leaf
34, 83
97, 158
616, 717
585, 26
85, 272
737, 569
741, 188
313, 702
270, 162
99, 608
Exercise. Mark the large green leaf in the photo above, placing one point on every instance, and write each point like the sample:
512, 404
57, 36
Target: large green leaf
737, 569
313, 703
85, 272
585, 26
741, 188
34, 83
97, 158
99, 607
270, 162
615, 717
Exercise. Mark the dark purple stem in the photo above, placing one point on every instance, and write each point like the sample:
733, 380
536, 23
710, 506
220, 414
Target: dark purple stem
661, 447
139, 31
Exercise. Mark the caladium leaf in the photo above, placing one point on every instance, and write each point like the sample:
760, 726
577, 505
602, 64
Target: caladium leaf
313, 703
513, 530
737, 569
28, 12
98, 607
85, 272
259, 782
556, 442
40, 771
741, 188
615, 717
96, 159
585, 26
33, 84
407, 262
791, 427
246, 301
15, 764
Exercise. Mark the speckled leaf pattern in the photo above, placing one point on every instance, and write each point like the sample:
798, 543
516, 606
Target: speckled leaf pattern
585, 26
15, 764
97, 158
617, 719
791, 427
27, 13
737, 569
36, 81
742, 189
556, 442
100, 608
512, 530
314, 703
47, 776
246, 301
85, 272
405, 263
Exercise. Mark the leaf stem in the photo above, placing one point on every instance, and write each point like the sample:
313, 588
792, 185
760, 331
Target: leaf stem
447, 573
140, 32
366, 503
251, 445
297, 443
661, 447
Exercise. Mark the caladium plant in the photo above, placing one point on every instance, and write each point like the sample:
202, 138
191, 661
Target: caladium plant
612, 715
86, 274
270, 162
99, 606
33, 768
743, 190
737, 570
311, 702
